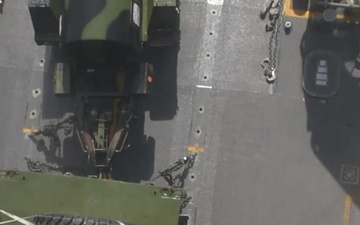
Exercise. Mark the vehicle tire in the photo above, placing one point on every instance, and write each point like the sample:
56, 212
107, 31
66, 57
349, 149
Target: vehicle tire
56, 219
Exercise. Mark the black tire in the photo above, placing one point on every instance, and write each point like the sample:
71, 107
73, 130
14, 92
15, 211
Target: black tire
56, 219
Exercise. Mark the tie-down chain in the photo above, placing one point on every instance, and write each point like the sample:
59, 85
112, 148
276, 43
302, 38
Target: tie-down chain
274, 9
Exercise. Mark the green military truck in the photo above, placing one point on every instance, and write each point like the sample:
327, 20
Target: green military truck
99, 48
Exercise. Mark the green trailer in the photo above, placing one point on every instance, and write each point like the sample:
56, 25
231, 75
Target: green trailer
47, 199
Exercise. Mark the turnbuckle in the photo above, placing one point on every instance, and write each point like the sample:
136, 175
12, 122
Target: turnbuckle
269, 72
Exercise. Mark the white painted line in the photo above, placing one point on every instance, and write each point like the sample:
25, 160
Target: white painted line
215, 2
321, 76
271, 89
18, 219
204, 86
11, 221
320, 83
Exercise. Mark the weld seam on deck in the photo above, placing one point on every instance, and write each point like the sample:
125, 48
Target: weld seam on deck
202, 187
202, 97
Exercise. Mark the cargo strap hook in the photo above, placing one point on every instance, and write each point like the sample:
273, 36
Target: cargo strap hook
269, 71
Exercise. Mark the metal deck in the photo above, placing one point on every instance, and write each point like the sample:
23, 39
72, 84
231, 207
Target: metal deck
269, 158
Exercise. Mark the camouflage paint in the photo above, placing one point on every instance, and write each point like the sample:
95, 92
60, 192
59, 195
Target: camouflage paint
98, 32
96, 25
28, 194
96, 28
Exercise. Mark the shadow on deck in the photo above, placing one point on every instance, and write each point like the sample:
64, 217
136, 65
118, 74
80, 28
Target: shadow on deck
334, 122
134, 164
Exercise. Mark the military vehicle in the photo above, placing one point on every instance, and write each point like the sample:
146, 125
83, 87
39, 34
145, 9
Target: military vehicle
101, 59
48, 196
47, 199
272, 153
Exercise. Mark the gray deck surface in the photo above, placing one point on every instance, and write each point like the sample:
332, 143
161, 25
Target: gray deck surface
269, 159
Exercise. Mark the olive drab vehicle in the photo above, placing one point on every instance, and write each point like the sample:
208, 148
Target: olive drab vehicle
29, 198
47, 197
100, 58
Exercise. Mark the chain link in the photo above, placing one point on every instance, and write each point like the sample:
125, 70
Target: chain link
187, 199
40, 167
177, 181
274, 40
270, 64
168, 174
